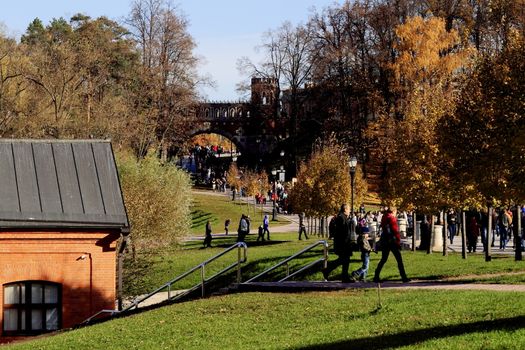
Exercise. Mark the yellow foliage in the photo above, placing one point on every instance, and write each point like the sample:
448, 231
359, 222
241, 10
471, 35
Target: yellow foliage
323, 183
427, 63
233, 176
157, 198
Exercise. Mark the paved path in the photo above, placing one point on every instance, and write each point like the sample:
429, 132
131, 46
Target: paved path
332, 285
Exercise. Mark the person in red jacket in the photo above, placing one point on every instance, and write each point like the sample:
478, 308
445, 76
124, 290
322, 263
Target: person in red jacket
390, 241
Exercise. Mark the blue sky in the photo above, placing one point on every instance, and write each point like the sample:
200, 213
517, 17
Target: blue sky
224, 30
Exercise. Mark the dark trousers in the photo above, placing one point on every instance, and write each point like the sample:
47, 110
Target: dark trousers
241, 237
207, 240
385, 252
267, 233
302, 230
344, 261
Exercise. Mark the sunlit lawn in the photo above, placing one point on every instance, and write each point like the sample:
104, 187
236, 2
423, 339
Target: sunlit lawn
217, 209
328, 320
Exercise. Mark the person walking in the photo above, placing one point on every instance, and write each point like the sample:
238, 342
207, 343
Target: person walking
342, 245
390, 241
451, 224
365, 248
503, 223
243, 229
302, 227
226, 226
260, 233
266, 225
207, 237
472, 234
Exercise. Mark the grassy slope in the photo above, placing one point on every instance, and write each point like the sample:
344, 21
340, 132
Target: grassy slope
336, 320
217, 209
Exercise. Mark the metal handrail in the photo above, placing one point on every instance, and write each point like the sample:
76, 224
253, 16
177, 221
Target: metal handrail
201, 266
285, 262
241, 258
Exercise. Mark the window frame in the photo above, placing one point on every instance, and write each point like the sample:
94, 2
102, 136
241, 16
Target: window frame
28, 307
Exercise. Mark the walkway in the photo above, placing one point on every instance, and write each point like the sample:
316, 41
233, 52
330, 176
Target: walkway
294, 286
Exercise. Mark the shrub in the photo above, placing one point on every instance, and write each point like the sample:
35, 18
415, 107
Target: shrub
157, 198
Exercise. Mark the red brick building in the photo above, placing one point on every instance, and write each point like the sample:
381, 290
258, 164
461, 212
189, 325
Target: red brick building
61, 216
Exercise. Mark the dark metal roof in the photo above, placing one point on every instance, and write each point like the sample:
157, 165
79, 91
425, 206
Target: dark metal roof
60, 183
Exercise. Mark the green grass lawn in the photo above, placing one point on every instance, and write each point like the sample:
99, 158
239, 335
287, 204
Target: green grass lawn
319, 320
217, 209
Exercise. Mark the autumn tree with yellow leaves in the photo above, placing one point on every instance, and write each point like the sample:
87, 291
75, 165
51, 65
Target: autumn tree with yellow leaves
485, 137
323, 182
428, 59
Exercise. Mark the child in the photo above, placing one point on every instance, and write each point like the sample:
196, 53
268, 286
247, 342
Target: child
266, 224
226, 225
364, 247
261, 233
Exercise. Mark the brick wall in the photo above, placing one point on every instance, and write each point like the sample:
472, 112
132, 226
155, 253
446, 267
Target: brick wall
82, 262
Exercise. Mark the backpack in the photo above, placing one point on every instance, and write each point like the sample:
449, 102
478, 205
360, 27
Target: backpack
387, 235
331, 227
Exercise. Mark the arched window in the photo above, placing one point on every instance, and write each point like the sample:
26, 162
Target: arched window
31, 307
207, 113
232, 112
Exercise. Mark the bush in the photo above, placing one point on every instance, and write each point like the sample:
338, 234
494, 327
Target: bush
157, 198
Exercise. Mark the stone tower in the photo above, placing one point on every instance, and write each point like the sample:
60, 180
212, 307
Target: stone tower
264, 91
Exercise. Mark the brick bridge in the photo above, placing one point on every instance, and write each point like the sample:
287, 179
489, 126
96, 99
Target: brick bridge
254, 127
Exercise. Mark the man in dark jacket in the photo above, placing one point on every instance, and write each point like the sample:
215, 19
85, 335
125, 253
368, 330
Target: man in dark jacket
342, 244
390, 241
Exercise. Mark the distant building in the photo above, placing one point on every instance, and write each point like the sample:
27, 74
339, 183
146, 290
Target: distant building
61, 215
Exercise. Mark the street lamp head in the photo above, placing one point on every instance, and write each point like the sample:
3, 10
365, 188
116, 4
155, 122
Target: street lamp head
281, 153
352, 163
274, 172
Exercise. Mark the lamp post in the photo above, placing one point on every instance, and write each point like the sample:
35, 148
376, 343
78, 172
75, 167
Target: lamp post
274, 210
352, 163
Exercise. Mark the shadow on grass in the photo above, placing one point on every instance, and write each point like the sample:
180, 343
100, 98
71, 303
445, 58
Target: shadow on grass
421, 335
198, 218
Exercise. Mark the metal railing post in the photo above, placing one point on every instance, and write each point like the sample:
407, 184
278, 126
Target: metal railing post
202, 280
325, 255
239, 264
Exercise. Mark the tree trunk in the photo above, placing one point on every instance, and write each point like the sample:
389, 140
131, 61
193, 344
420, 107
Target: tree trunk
517, 233
429, 249
444, 215
414, 231
463, 235
488, 249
